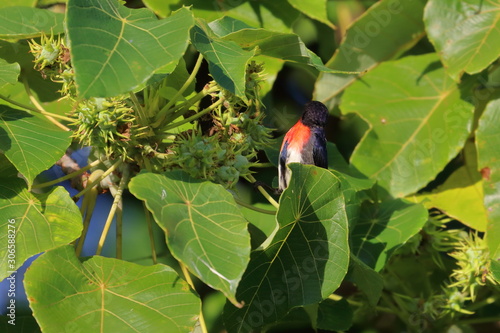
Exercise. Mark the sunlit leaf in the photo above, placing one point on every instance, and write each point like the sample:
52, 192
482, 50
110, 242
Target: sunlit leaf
384, 227
30, 141
27, 22
465, 33
488, 150
100, 294
307, 259
418, 122
38, 222
204, 227
114, 49
315, 9
383, 32
8, 72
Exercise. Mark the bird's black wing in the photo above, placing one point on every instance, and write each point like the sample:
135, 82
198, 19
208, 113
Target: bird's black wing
320, 156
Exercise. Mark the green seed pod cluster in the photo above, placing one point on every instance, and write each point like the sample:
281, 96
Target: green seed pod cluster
105, 124
209, 157
52, 60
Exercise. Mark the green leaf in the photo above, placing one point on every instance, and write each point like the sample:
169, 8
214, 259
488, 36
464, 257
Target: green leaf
334, 315
461, 195
315, 9
384, 227
8, 72
27, 22
100, 294
488, 150
227, 61
418, 122
273, 44
205, 229
366, 279
307, 259
39, 222
383, 32
495, 269
30, 141
465, 33
114, 49
24, 3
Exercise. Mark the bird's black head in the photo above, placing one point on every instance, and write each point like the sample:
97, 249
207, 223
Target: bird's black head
315, 114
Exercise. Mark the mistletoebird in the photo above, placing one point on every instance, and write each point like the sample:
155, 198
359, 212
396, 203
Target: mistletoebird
305, 142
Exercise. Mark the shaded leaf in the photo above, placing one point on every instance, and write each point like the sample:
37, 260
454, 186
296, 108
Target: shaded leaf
315, 9
488, 150
204, 227
39, 222
26, 22
465, 33
383, 32
418, 122
366, 279
307, 258
101, 294
334, 315
114, 49
226, 60
30, 141
461, 195
8, 72
384, 227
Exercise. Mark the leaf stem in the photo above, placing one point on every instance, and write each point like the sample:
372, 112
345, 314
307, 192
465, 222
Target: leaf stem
39, 108
196, 116
264, 193
92, 184
186, 84
151, 234
336, 297
187, 276
68, 176
260, 210
117, 203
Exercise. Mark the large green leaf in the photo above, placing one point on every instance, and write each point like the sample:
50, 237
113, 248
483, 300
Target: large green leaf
277, 15
114, 49
384, 227
461, 195
227, 61
418, 122
100, 294
488, 150
204, 227
315, 9
30, 141
278, 45
8, 72
38, 222
27, 22
465, 33
307, 259
383, 32
366, 279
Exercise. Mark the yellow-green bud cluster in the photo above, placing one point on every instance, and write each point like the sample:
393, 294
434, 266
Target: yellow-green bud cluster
105, 124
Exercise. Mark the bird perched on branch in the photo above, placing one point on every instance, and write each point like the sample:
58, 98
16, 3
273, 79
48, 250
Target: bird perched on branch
305, 142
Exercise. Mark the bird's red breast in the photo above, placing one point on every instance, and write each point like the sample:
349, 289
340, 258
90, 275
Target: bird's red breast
297, 136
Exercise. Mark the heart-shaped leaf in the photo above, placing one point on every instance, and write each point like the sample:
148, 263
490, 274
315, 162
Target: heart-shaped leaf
30, 141
8, 72
384, 227
465, 33
204, 227
488, 150
383, 32
418, 122
26, 22
307, 259
100, 294
34, 222
114, 49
